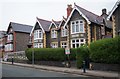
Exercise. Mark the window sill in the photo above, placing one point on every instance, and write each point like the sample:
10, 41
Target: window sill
53, 37
64, 36
38, 38
77, 32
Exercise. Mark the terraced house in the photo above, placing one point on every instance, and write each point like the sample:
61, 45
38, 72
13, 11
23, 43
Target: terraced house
17, 37
80, 27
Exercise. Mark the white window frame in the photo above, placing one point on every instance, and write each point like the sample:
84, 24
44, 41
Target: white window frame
38, 45
53, 33
54, 45
10, 37
9, 47
63, 44
38, 34
63, 32
79, 25
79, 43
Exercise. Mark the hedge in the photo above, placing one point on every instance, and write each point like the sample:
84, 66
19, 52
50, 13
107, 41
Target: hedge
73, 52
106, 51
53, 54
82, 55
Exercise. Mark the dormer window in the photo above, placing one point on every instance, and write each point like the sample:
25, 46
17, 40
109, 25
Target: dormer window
77, 26
53, 33
63, 32
38, 34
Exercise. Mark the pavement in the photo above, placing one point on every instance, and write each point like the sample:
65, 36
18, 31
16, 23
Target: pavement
94, 73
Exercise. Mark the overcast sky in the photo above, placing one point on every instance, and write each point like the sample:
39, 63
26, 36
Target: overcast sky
26, 11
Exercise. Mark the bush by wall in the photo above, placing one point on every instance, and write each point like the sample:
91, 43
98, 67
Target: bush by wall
73, 52
82, 55
106, 51
45, 54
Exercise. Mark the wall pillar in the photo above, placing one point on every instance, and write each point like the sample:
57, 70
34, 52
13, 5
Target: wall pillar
88, 34
95, 33
44, 40
68, 37
113, 25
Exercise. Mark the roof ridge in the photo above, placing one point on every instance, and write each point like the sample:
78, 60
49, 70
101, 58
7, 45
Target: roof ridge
43, 19
86, 10
21, 24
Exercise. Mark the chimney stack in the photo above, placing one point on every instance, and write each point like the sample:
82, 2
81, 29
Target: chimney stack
69, 9
104, 11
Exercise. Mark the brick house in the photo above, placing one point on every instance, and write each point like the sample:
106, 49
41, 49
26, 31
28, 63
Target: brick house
54, 34
2, 42
62, 34
80, 27
40, 34
83, 27
17, 37
114, 16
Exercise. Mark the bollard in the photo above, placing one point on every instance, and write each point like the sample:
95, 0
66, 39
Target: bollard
84, 68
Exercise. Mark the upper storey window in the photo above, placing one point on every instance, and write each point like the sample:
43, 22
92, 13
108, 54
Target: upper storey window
38, 34
77, 26
53, 34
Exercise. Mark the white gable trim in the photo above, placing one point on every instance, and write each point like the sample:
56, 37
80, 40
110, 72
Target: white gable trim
51, 25
113, 9
40, 27
75, 8
61, 22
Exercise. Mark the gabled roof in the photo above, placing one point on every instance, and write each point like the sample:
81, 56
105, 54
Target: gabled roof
44, 24
56, 23
113, 9
63, 20
20, 27
89, 16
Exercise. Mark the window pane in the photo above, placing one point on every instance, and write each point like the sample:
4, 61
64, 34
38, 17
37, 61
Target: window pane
73, 45
82, 40
73, 27
81, 27
73, 41
77, 45
77, 40
81, 21
77, 27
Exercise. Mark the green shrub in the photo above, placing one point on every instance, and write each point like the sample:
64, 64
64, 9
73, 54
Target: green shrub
52, 54
106, 51
73, 52
82, 55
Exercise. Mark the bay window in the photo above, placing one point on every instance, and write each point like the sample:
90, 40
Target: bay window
53, 34
77, 26
9, 47
75, 43
38, 34
38, 45
54, 45
64, 32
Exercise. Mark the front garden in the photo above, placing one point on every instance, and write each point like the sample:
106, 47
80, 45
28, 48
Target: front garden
106, 51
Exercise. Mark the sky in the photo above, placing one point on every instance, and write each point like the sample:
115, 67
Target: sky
26, 11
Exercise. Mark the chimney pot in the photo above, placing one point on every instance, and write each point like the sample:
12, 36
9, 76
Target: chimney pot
104, 11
